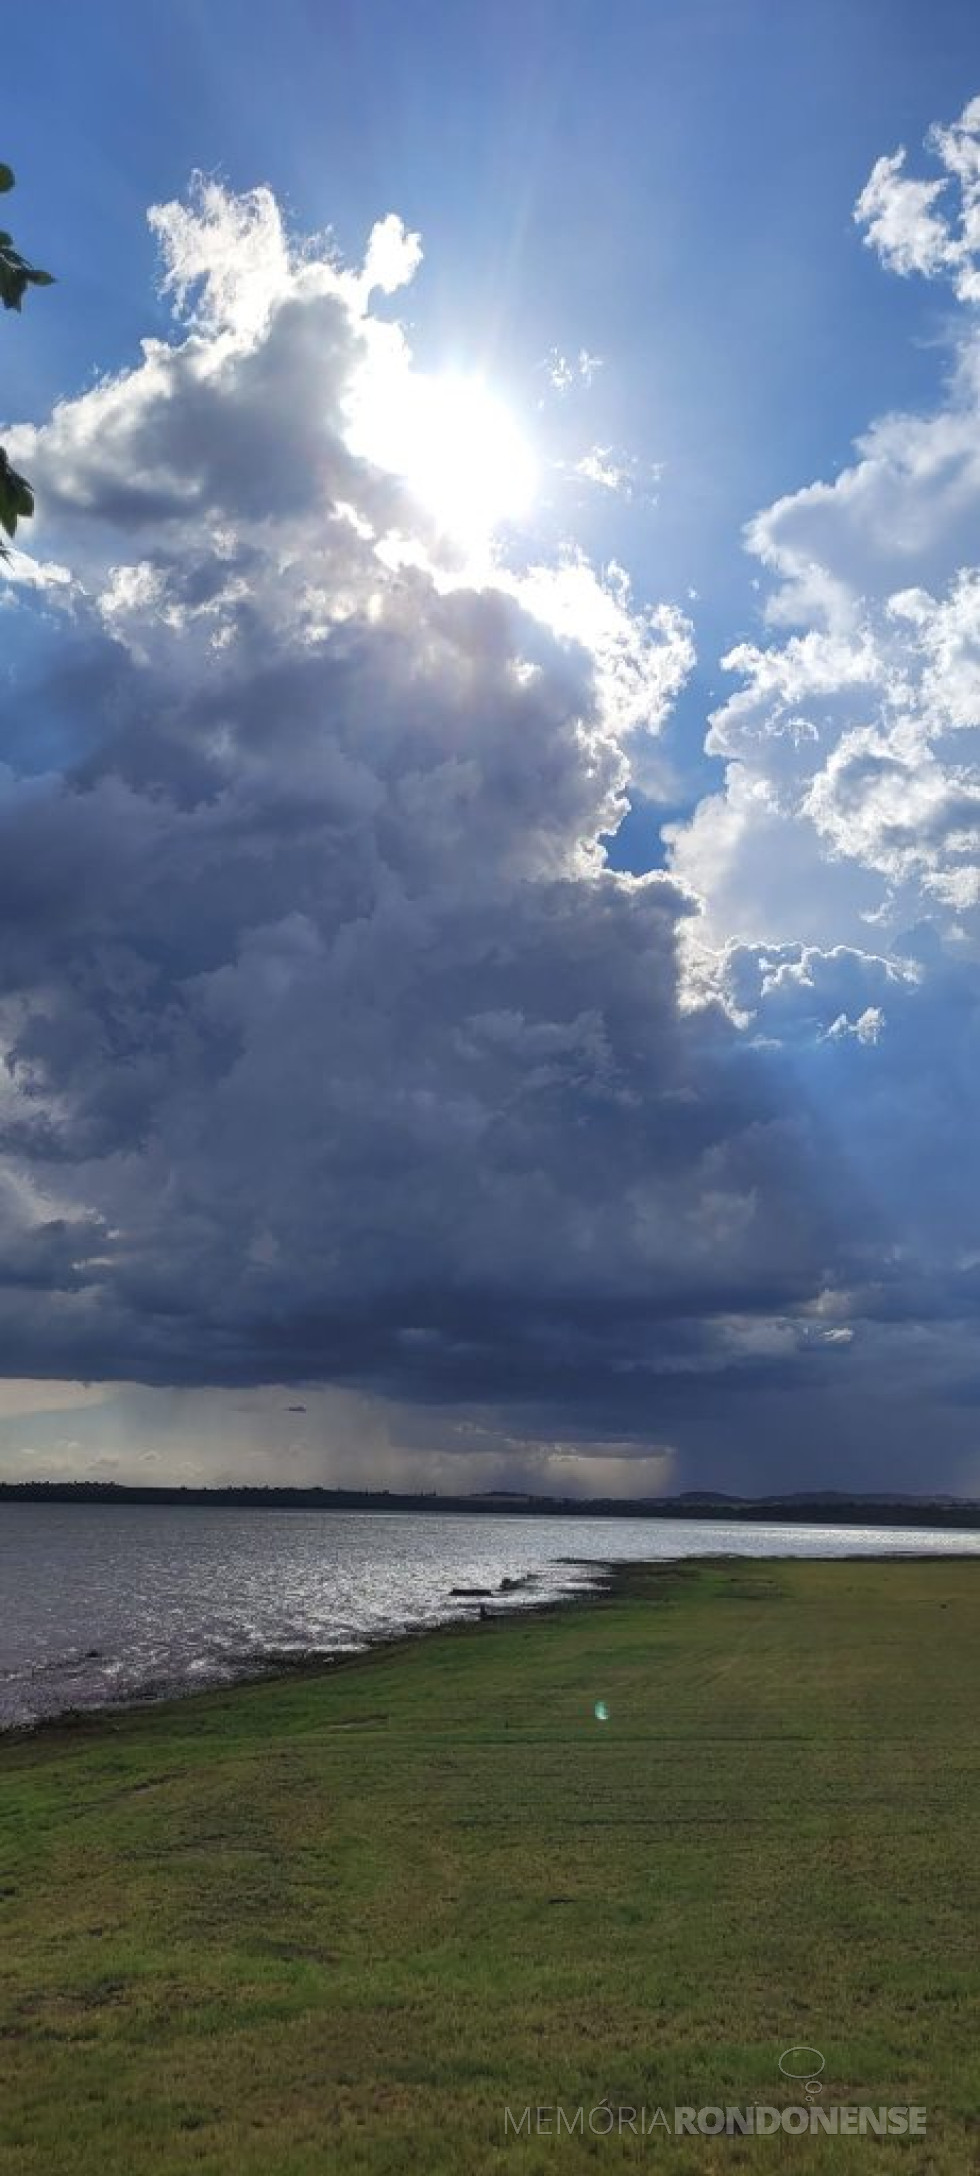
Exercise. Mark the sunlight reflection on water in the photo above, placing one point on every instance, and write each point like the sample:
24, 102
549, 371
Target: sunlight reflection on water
102, 1604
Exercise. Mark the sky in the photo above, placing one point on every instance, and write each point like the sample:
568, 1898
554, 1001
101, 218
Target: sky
490, 747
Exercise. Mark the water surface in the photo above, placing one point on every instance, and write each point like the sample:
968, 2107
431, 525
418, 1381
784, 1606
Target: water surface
101, 1604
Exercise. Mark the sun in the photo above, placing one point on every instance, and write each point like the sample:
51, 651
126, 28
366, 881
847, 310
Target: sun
457, 449
466, 459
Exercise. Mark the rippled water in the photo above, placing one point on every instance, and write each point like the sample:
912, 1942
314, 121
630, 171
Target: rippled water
106, 1604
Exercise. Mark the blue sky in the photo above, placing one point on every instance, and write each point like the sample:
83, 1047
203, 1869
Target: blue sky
667, 186
669, 190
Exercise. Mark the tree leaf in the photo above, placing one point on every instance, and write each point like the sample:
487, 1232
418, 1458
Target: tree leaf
16, 275
16, 496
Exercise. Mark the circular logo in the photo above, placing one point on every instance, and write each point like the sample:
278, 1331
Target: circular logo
801, 2062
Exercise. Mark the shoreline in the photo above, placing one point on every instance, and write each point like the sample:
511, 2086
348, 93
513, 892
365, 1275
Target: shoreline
611, 1582
625, 1856
311, 1663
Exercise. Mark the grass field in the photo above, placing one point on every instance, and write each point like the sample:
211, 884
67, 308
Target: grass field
342, 1922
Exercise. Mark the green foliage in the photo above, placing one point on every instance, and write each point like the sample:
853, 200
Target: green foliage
16, 496
16, 276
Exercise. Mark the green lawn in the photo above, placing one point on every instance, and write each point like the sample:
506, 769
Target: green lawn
341, 1922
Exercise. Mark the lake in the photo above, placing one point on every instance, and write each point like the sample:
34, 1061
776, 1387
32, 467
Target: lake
101, 1605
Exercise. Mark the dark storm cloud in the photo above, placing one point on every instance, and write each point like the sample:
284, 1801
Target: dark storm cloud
332, 1050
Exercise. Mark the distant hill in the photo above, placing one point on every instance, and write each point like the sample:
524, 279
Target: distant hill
815, 1507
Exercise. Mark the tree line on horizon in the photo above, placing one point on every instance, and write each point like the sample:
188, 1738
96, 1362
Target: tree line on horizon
820, 1507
